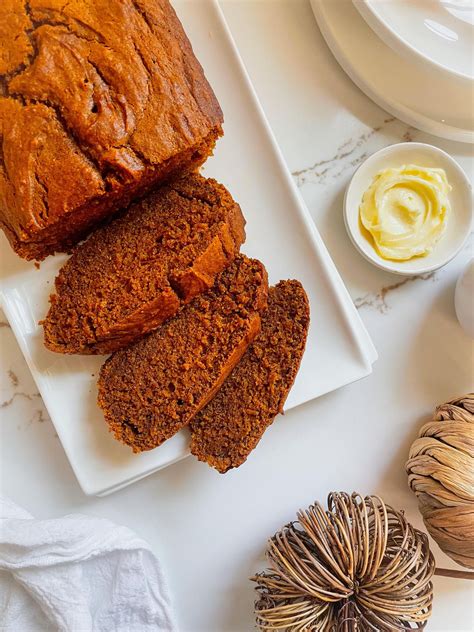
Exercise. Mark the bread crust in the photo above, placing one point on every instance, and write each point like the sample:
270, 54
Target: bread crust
101, 100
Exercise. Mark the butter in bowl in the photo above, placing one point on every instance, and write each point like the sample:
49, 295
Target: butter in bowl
408, 208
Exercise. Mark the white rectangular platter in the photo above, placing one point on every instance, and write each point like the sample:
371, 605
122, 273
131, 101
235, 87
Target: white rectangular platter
280, 232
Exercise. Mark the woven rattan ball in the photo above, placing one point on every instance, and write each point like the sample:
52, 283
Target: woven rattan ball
357, 566
441, 473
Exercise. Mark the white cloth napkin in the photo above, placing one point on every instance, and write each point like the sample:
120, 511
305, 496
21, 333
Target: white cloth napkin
77, 574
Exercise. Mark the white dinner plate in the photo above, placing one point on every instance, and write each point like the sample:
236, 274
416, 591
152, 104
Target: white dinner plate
432, 101
440, 32
280, 232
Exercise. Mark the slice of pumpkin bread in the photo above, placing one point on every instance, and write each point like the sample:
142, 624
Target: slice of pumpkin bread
225, 432
137, 271
153, 388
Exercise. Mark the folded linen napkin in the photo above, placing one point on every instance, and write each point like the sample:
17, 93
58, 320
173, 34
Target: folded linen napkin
77, 574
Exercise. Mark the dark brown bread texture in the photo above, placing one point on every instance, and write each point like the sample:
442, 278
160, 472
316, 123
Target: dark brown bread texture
136, 272
100, 100
153, 388
225, 432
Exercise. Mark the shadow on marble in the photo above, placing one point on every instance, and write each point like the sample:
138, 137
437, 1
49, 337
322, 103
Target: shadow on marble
240, 595
393, 483
441, 358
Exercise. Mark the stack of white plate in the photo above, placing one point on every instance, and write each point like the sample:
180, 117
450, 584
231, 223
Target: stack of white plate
415, 58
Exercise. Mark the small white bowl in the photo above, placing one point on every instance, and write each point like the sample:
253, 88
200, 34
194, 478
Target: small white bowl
459, 221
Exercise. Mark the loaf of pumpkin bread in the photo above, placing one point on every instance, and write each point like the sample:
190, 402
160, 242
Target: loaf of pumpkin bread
225, 432
137, 271
150, 390
100, 100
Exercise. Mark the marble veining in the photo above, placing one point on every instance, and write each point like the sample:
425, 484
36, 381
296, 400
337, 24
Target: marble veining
13, 378
17, 394
348, 155
40, 416
409, 135
378, 300
19, 399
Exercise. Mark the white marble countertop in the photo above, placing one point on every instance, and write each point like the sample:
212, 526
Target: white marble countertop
210, 530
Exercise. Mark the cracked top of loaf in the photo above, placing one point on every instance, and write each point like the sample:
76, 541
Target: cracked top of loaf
99, 100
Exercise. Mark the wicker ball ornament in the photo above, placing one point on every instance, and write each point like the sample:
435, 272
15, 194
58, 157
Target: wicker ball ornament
357, 566
441, 473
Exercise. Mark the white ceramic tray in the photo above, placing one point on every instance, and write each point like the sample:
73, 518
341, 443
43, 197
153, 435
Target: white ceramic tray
432, 101
279, 231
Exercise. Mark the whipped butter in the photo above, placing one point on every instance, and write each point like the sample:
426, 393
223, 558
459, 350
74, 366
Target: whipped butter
406, 209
